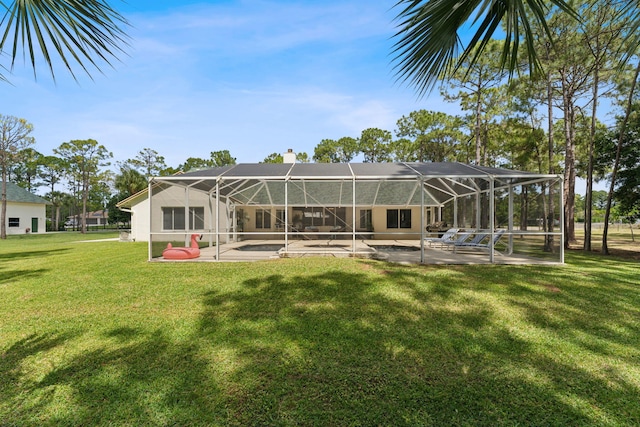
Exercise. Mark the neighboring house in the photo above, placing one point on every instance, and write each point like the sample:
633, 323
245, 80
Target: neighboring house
94, 218
26, 212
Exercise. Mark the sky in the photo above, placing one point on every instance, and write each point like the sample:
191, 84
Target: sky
251, 77
254, 77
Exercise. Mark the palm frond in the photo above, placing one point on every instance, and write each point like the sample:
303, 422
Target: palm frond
429, 42
83, 33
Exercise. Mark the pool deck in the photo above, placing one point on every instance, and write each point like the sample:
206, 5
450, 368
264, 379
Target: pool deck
229, 252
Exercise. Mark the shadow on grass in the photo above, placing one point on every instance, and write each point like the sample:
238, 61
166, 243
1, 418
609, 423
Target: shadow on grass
146, 379
421, 346
336, 349
594, 310
140, 379
31, 254
13, 381
10, 276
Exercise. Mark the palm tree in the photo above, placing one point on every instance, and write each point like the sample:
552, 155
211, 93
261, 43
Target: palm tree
83, 33
130, 181
428, 42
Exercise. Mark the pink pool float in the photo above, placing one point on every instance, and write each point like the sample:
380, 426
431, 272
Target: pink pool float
188, 252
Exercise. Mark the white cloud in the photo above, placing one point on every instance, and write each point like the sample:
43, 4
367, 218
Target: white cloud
262, 27
252, 77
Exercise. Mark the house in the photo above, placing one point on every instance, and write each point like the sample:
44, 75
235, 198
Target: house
353, 202
26, 212
93, 219
168, 212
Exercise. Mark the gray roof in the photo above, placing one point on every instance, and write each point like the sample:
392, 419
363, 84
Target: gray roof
18, 194
322, 184
353, 170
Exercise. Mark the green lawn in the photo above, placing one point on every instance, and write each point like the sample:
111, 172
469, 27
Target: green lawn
93, 334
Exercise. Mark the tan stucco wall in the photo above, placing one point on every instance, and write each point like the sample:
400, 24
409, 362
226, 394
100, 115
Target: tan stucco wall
379, 222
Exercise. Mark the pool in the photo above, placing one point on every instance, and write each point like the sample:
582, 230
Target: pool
266, 247
394, 248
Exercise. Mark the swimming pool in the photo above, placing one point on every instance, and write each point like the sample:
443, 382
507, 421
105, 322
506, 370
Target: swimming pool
394, 248
265, 247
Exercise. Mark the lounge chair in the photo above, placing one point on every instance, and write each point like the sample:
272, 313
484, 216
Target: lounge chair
477, 241
460, 238
448, 236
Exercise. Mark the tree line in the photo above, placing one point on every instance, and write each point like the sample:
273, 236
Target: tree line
76, 178
532, 99
535, 108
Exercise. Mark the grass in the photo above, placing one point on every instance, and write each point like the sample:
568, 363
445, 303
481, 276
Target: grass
93, 334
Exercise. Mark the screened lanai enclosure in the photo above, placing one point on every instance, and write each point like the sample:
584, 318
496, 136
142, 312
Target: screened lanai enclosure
394, 211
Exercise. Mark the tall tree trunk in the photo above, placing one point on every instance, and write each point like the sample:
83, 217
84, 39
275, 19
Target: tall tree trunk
57, 221
85, 197
570, 166
477, 130
588, 198
616, 165
524, 208
54, 226
485, 145
549, 241
3, 209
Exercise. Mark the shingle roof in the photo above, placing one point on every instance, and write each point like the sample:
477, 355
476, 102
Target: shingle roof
350, 170
18, 194
333, 183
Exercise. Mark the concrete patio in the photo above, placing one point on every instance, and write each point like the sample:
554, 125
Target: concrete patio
396, 251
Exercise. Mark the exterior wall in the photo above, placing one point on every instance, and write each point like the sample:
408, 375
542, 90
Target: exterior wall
175, 197
97, 221
171, 197
140, 221
92, 220
249, 223
25, 212
378, 223
379, 214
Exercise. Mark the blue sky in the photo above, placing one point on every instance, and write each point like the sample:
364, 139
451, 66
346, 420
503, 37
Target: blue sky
251, 77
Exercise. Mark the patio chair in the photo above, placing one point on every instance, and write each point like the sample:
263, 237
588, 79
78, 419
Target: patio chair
448, 236
336, 229
460, 238
476, 242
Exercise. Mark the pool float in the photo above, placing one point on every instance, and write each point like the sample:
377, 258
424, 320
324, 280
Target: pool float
188, 252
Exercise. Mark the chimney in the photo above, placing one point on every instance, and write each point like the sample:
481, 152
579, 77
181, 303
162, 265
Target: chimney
289, 156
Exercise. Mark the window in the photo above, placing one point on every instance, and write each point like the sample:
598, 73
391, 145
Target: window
366, 222
280, 218
335, 217
173, 218
405, 218
263, 218
398, 218
240, 218
318, 217
196, 218
14, 222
